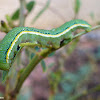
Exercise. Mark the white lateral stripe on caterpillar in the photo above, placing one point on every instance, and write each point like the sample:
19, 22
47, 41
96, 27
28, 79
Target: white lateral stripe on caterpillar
38, 33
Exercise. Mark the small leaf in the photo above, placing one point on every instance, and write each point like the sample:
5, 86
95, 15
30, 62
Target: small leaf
84, 70
41, 11
60, 96
9, 20
77, 6
51, 65
32, 55
37, 48
4, 76
5, 26
51, 54
43, 65
30, 6
15, 15
67, 87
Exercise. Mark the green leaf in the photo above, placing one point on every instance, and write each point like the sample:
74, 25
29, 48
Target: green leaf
97, 54
51, 54
4, 76
84, 71
67, 87
77, 6
37, 48
51, 65
43, 65
41, 11
10, 21
30, 6
15, 15
60, 96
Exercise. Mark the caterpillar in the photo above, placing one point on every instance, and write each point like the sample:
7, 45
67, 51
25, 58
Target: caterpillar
10, 45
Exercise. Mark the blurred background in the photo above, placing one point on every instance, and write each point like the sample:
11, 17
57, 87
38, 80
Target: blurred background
70, 73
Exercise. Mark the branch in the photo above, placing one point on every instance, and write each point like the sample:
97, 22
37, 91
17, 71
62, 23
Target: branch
84, 32
22, 12
36, 59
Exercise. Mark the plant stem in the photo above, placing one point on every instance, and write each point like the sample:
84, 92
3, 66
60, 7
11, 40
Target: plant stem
84, 32
36, 59
22, 12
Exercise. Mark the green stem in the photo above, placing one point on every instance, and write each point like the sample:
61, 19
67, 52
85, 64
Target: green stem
22, 12
84, 32
36, 59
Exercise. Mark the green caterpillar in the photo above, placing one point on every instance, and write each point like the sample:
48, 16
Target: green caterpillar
10, 45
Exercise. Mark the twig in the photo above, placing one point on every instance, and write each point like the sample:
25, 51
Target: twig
84, 32
36, 59
22, 12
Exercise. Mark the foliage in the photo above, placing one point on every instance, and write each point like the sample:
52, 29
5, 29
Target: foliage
29, 7
72, 83
77, 6
41, 11
64, 85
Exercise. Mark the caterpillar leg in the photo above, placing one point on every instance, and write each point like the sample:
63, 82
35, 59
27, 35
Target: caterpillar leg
29, 44
88, 29
66, 40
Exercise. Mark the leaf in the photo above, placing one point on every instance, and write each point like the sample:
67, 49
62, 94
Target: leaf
37, 48
4, 76
51, 54
15, 15
70, 77
84, 71
41, 11
4, 26
10, 21
51, 65
67, 87
43, 65
77, 6
29, 7
97, 54
60, 96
